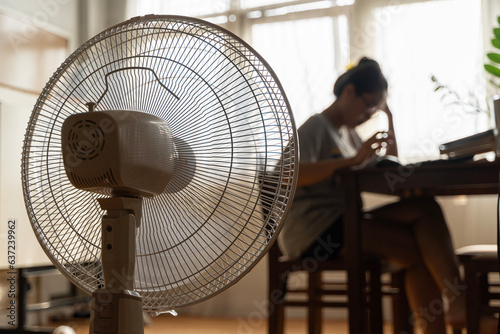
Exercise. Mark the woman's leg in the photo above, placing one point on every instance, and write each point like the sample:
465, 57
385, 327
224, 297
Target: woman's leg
426, 222
425, 218
397, 243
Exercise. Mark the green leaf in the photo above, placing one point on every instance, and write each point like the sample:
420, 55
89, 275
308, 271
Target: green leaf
496, 31
498, 19
494, 57
496, 43
492, 70
494, 83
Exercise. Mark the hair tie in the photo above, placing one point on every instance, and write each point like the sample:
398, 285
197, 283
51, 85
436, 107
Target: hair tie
350, 66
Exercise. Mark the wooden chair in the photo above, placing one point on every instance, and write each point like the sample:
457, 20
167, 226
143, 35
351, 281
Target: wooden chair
317, 290
318, 293
479, 262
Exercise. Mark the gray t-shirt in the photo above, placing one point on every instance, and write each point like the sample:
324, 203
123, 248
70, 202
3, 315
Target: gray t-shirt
316, 207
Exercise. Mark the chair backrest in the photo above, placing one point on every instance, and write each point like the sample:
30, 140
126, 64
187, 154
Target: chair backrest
269, 183
274, 253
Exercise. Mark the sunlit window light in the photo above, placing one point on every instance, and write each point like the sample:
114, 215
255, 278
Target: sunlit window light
298, 8
301, 52
221, 19
184, 7
410, 52
344, 2
255, 14
258, 3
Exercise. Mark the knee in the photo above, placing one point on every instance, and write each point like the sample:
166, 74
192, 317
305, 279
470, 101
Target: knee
425, 202
406, 260
395, 243
426, 206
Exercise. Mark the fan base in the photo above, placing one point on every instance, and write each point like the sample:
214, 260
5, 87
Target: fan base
116, 312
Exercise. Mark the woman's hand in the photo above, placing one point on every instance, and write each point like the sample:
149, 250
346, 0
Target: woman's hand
392, 148
385, 108
372, 145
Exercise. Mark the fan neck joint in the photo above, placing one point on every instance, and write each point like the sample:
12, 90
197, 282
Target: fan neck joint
117, 206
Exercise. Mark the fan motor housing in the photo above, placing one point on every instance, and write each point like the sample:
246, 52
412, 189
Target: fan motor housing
118, 152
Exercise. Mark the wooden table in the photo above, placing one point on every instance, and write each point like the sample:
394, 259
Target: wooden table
465, 178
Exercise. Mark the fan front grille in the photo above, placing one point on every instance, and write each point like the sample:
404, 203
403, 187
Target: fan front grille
235, 157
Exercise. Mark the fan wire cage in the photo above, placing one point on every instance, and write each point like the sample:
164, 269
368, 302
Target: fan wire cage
235, 158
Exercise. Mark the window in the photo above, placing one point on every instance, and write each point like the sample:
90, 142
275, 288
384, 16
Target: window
178, 7
259, 3
440, 38
309, 43
302, 53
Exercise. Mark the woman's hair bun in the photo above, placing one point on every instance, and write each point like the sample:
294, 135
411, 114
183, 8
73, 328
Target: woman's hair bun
367, 61
366, 77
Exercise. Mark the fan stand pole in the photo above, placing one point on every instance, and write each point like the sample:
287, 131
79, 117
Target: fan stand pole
117, 308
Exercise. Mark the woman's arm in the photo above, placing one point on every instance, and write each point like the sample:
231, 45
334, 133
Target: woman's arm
314, 172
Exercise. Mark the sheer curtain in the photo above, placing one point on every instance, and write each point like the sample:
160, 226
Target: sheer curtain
440, 38
302, 53
306, 47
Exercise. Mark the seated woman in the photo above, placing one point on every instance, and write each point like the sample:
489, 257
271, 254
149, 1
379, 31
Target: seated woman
411, 233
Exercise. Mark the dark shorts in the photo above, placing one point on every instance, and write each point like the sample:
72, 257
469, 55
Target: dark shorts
329, 244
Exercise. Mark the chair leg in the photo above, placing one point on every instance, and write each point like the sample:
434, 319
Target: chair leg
484, 295
473, 304
400, 307
276, 319
279, 319
314, 309
375, 300
276, 310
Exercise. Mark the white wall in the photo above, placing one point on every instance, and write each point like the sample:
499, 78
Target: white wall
58, 16
17, 101
61, 18
15, 109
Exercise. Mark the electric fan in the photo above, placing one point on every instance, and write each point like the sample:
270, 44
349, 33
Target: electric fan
158, 165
